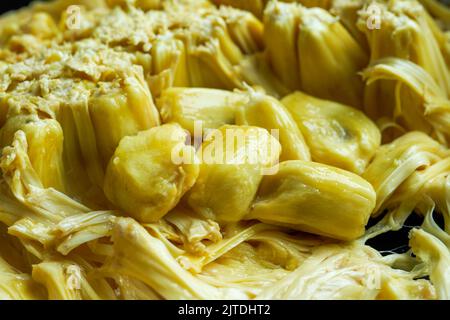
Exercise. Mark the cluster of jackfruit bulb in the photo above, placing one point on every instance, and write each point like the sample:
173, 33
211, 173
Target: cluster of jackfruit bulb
189, 149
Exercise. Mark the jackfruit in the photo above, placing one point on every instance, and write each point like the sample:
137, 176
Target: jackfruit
256, 72
315, 198
15, 285
81, 148
436, 255
405, 32
281, 35
395, 162
244, 28
45, 146
321, 37
267, 112
210, 108
336, 134
141, 256
234, 159
120, 112
159, 158
69, 280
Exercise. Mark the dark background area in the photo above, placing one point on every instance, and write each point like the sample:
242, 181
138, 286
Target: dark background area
7, 5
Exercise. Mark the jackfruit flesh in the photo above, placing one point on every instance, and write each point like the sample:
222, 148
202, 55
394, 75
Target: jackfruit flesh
336, 134
266, 112
234, 160
303, 193
204, 108
148, 159
224, 149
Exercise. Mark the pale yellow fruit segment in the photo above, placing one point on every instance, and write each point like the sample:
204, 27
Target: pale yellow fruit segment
226, 188
268, 113
45, 146
212, 108
120, 113
336, 134
323, 38
144, 179
315, 198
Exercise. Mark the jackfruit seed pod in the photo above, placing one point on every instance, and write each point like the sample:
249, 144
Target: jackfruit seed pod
438, 10
323, 38
45, 146
268, 113
213, 108
145, 5
150, 172
79, 178
315, 198
280, 35
347, 11
256, 72
139, 255
211, 55
209, 68
70, 280
395, 162
234, 159
436, 255
168, 65
336, 134
121, 111
244, 28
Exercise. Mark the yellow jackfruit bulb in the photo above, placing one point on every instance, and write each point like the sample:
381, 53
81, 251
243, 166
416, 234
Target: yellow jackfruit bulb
395, 162
324, 4
231, 51
329, 59
210, 108
244, 28
267, 112
436, 256
280, 34
234, 159
256, 71
209, 68
150, 172
168, 65
211, 55
347, 11
45, 146
119, 112
315, 198
336, 134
